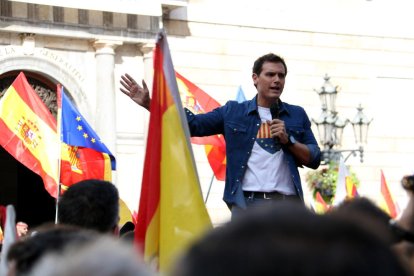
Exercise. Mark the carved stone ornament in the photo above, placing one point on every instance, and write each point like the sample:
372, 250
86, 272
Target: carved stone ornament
48, 96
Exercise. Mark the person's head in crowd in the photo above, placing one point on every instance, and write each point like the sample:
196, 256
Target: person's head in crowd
104, 257
287, 239
407, 217
22, 229
366, 213
405, 226
24, 253
92, 204
127, 232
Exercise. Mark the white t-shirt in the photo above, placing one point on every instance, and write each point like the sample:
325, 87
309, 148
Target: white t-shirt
267, 169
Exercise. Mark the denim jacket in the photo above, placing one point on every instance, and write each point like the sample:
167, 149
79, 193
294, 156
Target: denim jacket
239, 124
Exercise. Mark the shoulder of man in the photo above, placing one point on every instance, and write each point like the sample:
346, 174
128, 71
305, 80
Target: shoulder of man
293, 108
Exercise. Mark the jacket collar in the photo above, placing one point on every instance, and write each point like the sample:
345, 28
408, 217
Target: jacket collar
252, 106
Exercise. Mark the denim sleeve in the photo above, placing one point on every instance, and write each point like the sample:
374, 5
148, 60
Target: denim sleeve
206, 124
310, 141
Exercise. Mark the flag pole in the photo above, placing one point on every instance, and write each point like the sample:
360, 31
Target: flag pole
209, 188
58, 129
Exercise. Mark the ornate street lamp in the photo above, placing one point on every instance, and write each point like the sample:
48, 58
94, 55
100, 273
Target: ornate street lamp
327, 93
330, 126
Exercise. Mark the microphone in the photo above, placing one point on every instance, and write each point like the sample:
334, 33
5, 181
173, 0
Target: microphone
274, 111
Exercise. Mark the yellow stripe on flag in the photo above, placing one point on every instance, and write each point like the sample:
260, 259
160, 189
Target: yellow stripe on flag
35, 134
179, 202
107, 167
152, 240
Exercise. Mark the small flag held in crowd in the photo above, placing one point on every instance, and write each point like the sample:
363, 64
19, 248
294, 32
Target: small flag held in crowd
351, 189
321, 206
387, 203
341, 190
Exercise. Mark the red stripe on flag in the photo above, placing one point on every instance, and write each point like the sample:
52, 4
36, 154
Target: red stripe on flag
321, 201
151, 180
387, 197
88, 164
218, 154
21, 85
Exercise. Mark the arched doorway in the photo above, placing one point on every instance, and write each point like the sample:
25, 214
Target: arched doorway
19, 185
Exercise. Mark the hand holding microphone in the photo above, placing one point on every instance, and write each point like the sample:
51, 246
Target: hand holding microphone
274, 111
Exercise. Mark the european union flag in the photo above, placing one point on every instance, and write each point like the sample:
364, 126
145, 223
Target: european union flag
77, 132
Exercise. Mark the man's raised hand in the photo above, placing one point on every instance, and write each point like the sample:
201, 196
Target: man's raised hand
138, 94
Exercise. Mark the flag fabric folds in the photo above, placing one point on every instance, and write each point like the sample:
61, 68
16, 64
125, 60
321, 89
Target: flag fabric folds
83, 155
10, 236
171, 210
387, 203
198, 101
341, 190
28, 132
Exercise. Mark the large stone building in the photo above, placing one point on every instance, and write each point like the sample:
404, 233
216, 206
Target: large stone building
87, 45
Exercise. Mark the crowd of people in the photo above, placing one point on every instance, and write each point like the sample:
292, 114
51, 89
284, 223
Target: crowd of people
271, 232
283, 237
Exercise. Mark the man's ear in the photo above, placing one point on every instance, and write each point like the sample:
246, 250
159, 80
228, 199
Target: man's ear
254, 78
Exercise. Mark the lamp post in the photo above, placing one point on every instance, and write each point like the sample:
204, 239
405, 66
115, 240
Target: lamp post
330, 126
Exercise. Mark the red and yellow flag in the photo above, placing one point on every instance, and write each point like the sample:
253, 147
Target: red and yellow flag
351, 189
28, 132
387, 203
171, 210
321, 206
198, 101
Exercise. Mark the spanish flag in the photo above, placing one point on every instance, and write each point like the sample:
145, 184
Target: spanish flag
387, 203
198, 101
171, 210
84, 155
28, 132
321, 206
351, 189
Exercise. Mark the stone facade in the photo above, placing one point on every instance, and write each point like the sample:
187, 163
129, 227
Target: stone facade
214, 45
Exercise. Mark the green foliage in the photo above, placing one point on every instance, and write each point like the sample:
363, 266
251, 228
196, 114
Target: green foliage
324, 181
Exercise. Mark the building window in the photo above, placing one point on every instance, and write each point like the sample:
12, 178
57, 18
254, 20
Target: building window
58, 14
132, 21
83, 17
108, 19
32, 11
5, 8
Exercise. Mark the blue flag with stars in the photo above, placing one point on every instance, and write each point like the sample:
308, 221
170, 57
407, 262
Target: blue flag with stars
77, 132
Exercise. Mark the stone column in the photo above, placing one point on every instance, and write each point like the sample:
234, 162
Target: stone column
105, 92
147, 50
